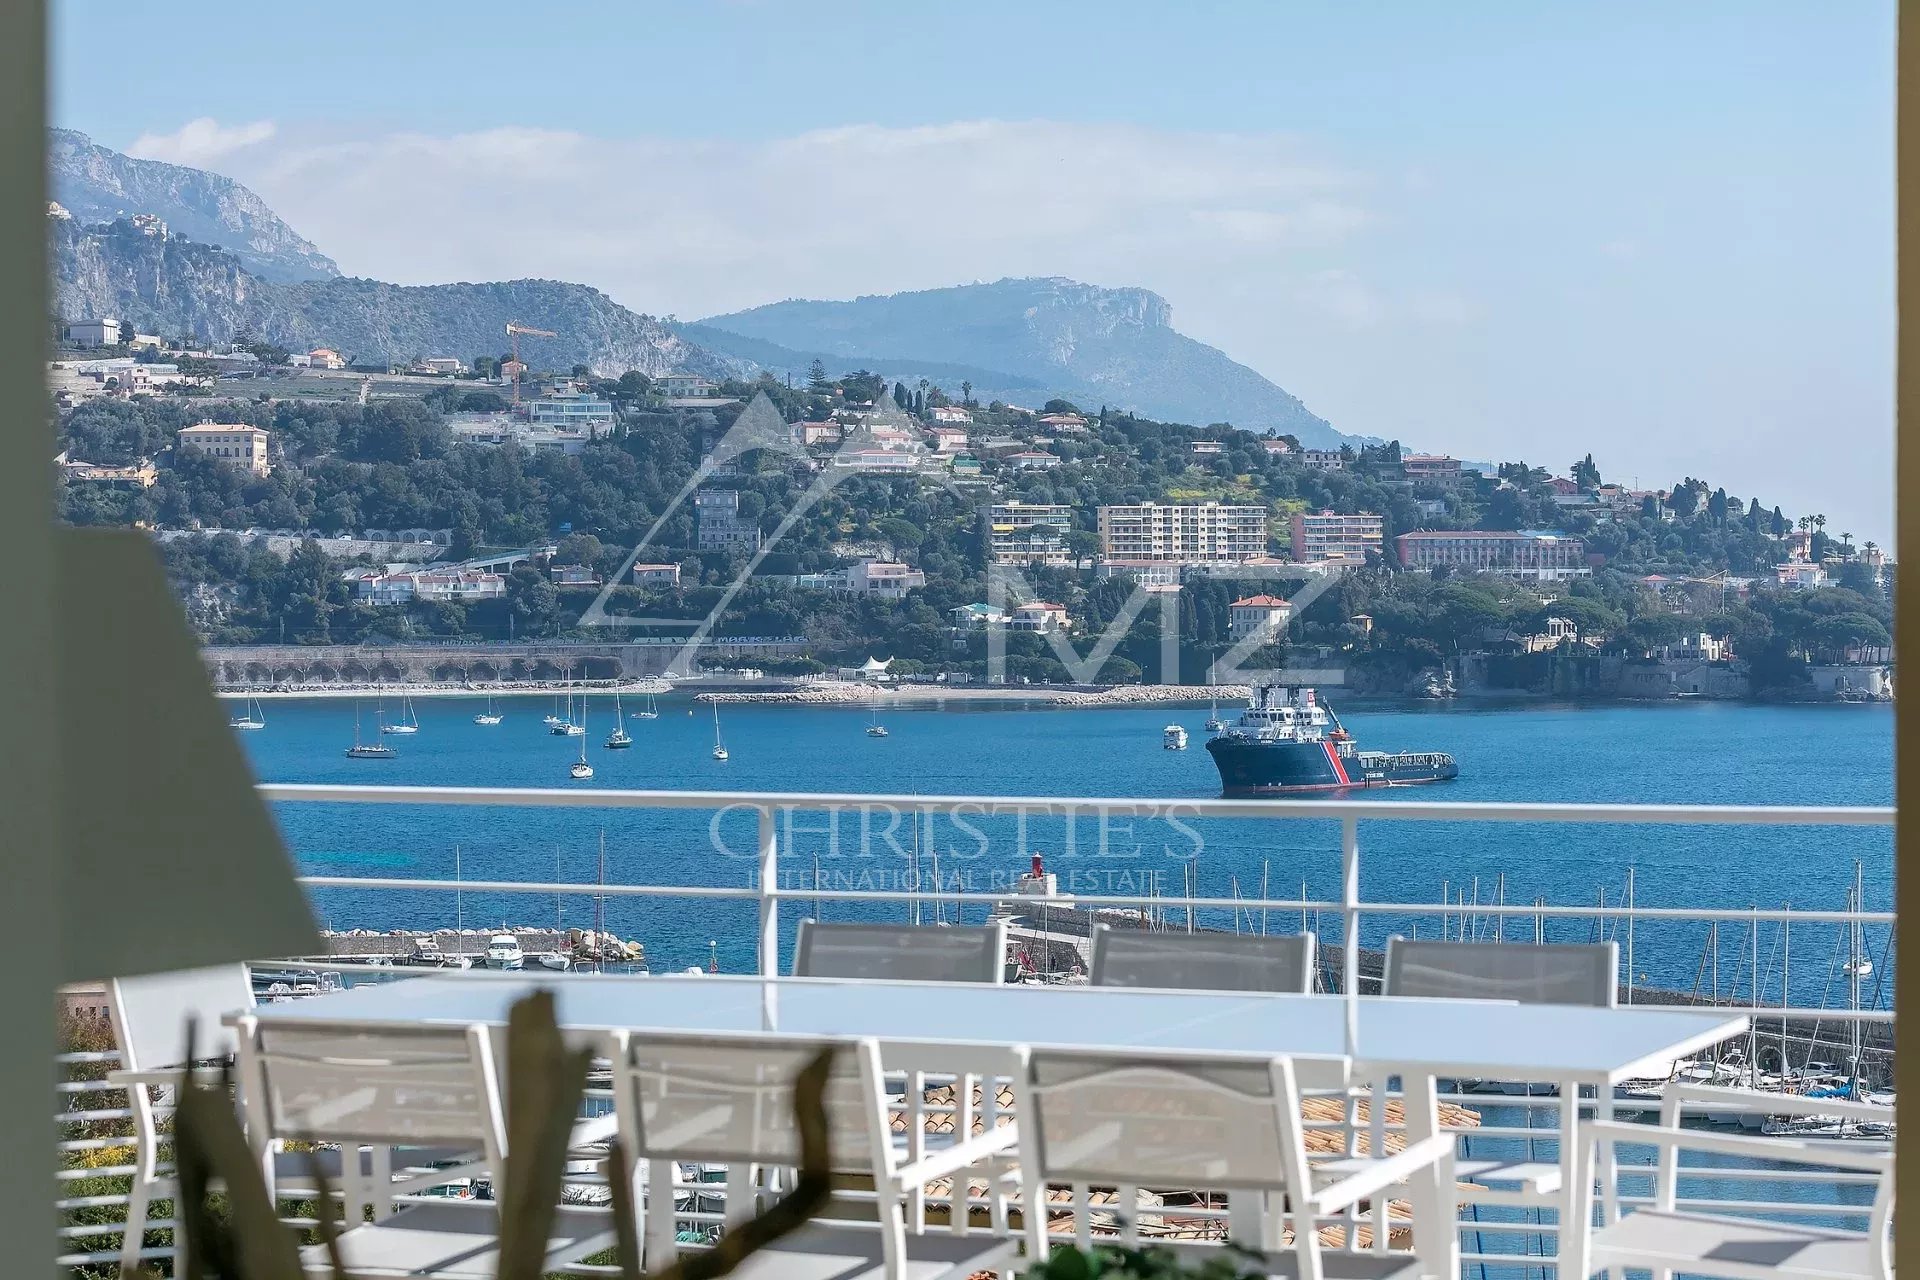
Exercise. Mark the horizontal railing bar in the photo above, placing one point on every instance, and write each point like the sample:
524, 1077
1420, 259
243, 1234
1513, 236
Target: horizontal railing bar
1412, 811
1164, 901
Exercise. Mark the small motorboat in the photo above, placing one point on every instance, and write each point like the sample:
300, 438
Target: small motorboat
1173, 738
503, 952
554, 960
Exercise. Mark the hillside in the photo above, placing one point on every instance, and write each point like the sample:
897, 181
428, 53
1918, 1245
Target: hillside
988, 384
174, 286
1089, 344
97, 184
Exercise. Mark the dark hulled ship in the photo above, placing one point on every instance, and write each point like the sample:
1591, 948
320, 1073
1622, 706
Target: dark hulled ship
1287, 741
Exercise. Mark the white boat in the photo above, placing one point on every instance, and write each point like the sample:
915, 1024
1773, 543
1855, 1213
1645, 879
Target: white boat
250, 717
1173, 738
367, 750
407, 723
580, 770
619, 738
719, 749
874, 728
503, 952
649, 712
489, 716
1214, 723
554, 960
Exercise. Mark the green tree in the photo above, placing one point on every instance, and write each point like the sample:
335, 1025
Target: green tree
817, 380
1585, 473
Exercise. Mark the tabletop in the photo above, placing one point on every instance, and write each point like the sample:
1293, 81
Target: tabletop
1457, 1038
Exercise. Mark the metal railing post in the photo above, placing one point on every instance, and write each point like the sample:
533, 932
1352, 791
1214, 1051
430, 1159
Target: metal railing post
769, 894
1350, 904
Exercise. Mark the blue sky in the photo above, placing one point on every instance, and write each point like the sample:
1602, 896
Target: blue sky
1659, 232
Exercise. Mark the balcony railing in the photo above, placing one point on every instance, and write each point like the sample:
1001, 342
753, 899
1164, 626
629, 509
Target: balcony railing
1517, 1119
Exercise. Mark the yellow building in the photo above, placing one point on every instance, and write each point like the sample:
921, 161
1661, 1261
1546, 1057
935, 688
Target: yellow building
235, 442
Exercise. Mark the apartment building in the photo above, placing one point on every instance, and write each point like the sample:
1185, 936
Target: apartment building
1330, 535
1027, 533
721, 526
1182, 533
1525, 553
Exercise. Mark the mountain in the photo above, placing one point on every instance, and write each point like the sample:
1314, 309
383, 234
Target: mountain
1082, 342
97, 184
170, 285
783, 361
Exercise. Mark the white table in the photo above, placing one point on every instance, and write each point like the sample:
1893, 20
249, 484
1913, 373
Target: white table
969, 1028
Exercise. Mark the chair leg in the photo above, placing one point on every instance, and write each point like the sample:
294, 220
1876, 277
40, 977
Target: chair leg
131, 1240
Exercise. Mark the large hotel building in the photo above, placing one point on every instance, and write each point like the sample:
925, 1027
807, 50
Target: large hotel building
1524, 553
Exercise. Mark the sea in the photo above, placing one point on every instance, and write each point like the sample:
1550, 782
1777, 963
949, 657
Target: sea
1683, 753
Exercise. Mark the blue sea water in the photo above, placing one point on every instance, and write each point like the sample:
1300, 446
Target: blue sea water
1703, 753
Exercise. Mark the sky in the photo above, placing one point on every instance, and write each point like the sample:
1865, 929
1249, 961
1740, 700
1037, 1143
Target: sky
1659, 233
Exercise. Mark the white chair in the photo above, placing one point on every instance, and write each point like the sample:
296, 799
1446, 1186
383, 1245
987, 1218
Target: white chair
1227, 1124
1530, 973
901, 953
1665, 1238
1202, 961
150, 1014
729, 1100
388, 1086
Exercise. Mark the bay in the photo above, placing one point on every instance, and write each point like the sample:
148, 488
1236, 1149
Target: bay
1704, 753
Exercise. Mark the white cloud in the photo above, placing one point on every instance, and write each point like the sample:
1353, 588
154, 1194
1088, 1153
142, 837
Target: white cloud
695, 226
201, 142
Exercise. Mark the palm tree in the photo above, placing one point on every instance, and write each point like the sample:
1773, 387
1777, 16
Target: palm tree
1869, 546
966, 393
1846, 543
1820, 523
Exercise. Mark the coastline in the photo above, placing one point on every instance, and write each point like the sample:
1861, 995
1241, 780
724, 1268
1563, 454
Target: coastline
822, 694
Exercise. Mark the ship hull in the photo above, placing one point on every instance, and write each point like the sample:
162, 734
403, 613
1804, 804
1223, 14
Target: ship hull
1249, 767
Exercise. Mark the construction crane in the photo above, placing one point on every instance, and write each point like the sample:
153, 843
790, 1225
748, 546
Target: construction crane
514, 330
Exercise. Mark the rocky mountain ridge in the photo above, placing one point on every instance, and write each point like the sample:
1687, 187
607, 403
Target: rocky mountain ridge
98, 184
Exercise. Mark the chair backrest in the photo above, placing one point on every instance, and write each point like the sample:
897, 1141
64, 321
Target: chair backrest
905, 953
703, 1099
1175, 1121
1530, 973
1202, 961
411, 1085
150, 1013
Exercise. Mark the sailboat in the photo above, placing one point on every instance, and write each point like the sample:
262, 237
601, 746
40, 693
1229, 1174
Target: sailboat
874, 728
1214, 723
369, 750
651, 712
250, 717
407, 723
580, 768
564, 727
489, 716
619, 737
553, 718
719, 751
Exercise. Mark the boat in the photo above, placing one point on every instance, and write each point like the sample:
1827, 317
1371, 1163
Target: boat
554, 960
503, 952
1287, 741
1438, 686
1214, 723
250, 717
562, 726
367, 750
489, 716
719, 750
580, 769
649, 712
619, 738
1173, 738
407, 723
874, 728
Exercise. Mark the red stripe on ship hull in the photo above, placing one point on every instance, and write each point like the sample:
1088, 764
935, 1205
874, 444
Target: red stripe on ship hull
1333, 758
